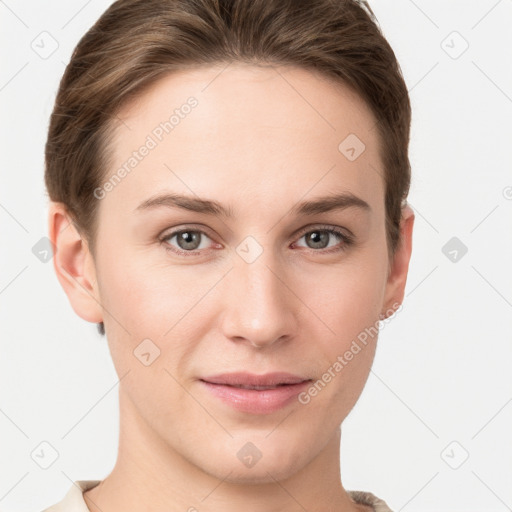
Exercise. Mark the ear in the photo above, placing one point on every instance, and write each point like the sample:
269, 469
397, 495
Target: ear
73, 264
399, 267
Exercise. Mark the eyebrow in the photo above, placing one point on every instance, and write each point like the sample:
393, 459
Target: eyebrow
321, 204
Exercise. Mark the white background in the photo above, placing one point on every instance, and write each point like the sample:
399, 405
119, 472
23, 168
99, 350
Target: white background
442, 372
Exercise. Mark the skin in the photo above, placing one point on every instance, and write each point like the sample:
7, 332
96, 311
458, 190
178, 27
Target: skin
259, 141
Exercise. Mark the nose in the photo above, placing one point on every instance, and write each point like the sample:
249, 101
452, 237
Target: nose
259, 306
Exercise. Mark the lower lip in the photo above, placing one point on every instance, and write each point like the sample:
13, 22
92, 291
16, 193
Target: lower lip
255, 401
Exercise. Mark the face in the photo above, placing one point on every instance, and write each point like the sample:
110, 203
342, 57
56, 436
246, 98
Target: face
281, 271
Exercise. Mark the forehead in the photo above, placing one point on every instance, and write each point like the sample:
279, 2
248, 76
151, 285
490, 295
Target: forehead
247, 134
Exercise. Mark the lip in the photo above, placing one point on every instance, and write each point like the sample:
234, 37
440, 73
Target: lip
280, 390
252, 379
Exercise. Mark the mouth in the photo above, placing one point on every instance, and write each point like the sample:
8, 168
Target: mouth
255, 394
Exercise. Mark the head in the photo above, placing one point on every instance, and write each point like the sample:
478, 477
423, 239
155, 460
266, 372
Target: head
253, 110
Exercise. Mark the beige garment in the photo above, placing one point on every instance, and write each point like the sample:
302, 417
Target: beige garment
74, 501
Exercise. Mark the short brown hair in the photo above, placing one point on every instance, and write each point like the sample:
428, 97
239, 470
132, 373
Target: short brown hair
136, 42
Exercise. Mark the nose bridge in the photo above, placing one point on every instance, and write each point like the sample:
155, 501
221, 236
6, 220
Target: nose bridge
259, 306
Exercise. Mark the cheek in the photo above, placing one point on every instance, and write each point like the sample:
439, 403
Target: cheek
148, 295
341, 379
348, 301
347, 298
145, 301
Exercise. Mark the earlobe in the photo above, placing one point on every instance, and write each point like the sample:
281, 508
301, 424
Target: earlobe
397, 278
73, 264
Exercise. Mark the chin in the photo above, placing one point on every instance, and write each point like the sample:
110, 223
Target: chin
261, 473
255, 462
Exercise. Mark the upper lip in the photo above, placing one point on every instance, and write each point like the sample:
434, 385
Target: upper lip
251, 379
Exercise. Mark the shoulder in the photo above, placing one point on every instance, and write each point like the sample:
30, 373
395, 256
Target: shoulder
367, 498
74, 501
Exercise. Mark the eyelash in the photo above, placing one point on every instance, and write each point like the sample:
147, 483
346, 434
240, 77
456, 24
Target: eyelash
347, 240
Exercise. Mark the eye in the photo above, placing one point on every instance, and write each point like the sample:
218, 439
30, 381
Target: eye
320, 237
188, 240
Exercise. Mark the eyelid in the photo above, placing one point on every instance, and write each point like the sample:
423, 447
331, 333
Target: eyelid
184, 227
328, 227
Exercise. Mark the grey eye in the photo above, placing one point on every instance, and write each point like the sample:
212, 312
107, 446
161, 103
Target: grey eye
319, 239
